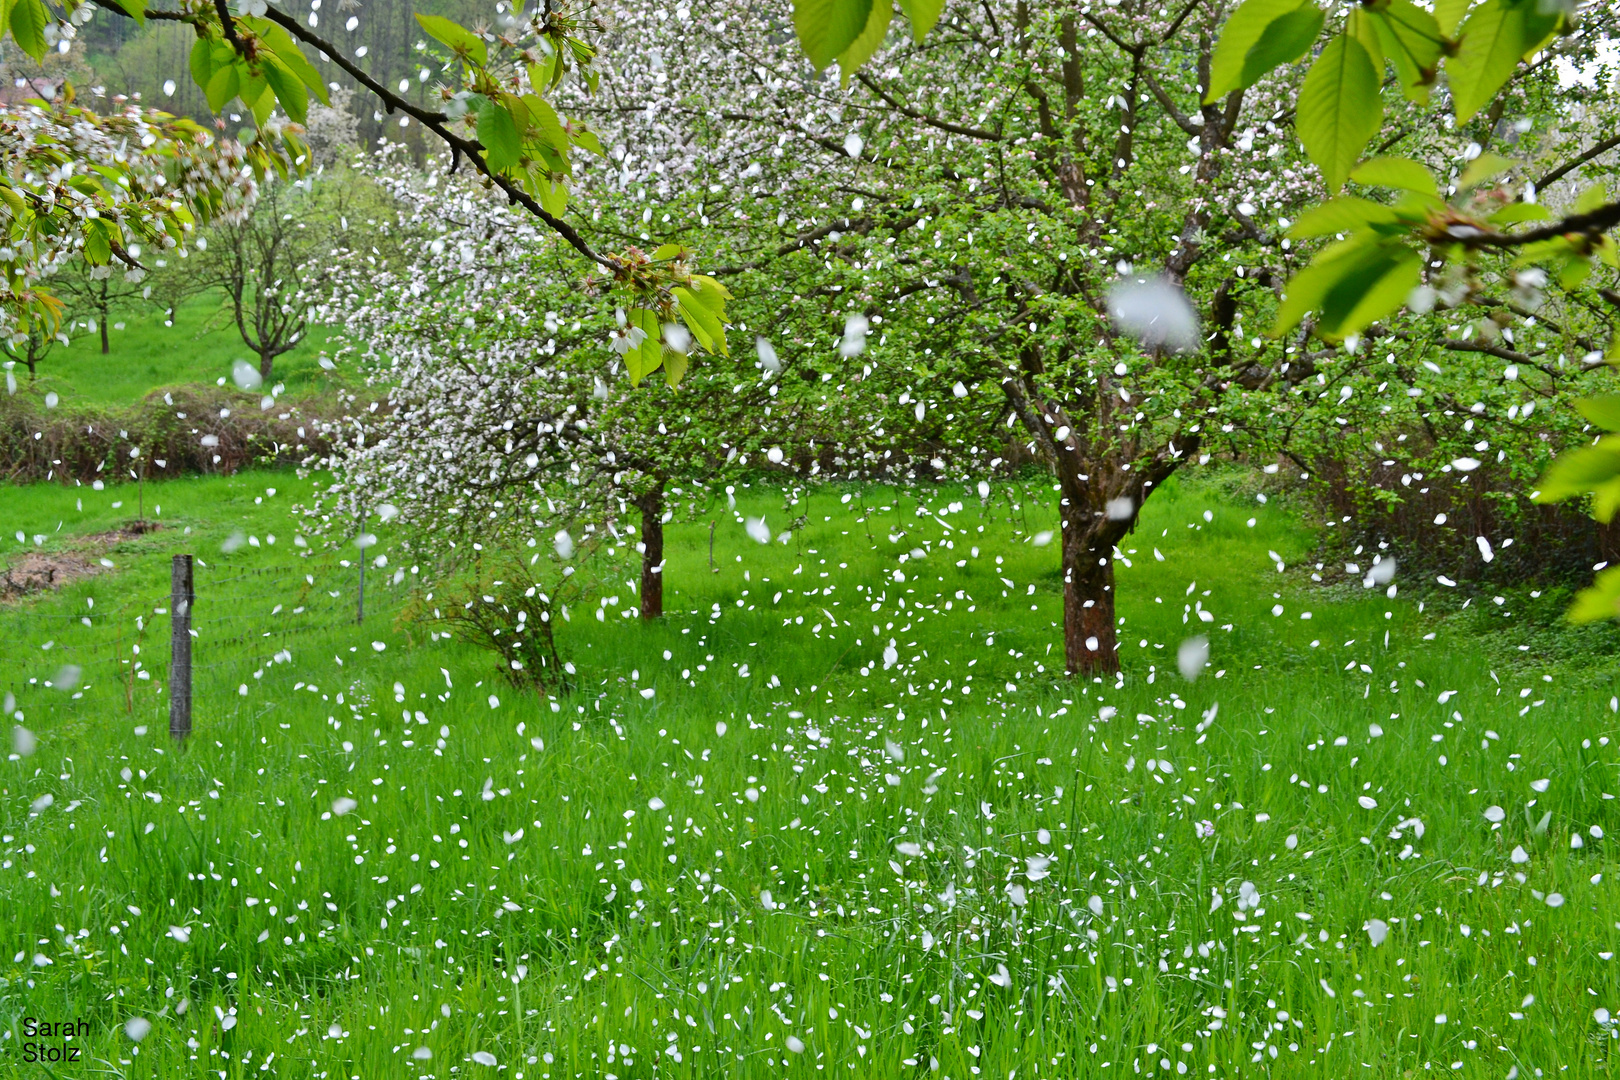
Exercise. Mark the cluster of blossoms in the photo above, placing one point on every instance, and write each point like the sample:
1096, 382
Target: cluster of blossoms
74, 183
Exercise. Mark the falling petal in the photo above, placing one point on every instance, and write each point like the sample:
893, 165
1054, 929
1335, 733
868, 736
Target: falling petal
1192, 657
1156, 313
246, 376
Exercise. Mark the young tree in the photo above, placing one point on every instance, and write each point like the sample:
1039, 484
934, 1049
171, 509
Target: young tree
33, 347
95, 292
260, 265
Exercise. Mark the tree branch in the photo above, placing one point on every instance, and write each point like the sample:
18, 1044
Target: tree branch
1183, 121
436, 122
917, 114
1570, 166
1593, 224
1501, 352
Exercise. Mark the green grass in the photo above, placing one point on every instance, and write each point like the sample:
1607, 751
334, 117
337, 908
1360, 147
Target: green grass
626, 931
147, 356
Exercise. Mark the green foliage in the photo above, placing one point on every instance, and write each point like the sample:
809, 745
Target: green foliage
664, 290
850, 31
1592, 470
1339, 108
27, 20
1600, 600
1496, 37
1259, 36
463, 42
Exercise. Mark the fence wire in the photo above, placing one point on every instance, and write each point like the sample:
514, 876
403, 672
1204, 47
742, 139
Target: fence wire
55, 647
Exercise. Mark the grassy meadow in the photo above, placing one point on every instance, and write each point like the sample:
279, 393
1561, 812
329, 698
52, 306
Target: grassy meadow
145, 355
839, 813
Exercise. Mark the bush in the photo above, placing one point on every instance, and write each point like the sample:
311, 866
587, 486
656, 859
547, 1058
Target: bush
511, 616
195, 429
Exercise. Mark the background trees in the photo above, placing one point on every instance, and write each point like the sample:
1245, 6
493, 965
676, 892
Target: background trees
265, 265
1082, 222
94, 293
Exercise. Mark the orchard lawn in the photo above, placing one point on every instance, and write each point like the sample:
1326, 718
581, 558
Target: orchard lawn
147, 356
837, 813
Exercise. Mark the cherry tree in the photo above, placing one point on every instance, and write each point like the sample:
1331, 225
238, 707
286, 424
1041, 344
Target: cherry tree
502, 426
983, 207
1050, 227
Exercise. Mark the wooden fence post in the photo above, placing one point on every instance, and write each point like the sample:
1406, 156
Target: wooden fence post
181, 596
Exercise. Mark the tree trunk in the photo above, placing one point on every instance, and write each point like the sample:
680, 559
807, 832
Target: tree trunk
1089, 643
266, 362
106, 346
652, 554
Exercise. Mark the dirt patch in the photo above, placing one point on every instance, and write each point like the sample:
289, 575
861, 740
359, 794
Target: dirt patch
121, 534
40, 571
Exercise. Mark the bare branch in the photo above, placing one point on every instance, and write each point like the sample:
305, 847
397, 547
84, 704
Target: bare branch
917, 114
1570, 166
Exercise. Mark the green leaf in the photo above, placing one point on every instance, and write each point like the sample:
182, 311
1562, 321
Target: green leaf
675, 365
1241, 34
223, 85
1283, 42
923, 14
543, 121
1448, 13
1574, 272
135, 9
649, 355
287, 87
1342, 215
1582, 471
462, 42
1307, 289
28, 21
1495, 38
255, 92
1603, 411
1375, 287
1591, 199
1411, 38
97, 244
1482, 169
1601, 600
288, 52
547, 72
701, 320
1517, 213
711, 294
1350, 285
1404, 174
202, 62
498, 132
827, 27
871, 39
1339, 108
553, 197
1359, 27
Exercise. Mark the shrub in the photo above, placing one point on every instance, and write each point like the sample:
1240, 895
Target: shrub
194, 429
